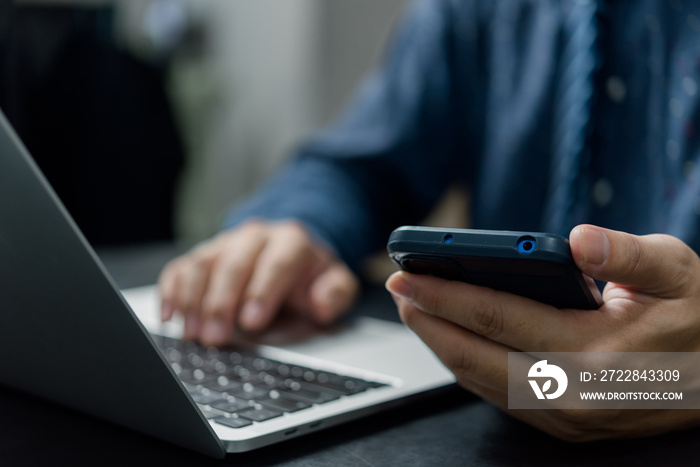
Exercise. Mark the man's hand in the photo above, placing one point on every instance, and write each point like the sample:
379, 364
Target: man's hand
243, 277
652, 304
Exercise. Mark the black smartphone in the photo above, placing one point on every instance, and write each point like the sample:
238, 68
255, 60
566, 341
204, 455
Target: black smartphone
534, 265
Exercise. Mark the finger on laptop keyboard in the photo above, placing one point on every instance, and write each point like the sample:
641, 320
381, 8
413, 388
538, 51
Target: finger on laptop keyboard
193, 280
182, 285
289, 260
333, 292
238, 253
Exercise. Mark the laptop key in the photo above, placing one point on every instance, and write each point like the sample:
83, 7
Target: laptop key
190, 387
209, 413
308, 396
205, 399
223, 384
233, 422
231, 406
285, 405
260, 414
249, 391
196, 376
345, 386
375, 384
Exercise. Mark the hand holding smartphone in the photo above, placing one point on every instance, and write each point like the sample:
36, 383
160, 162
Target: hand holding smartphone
534, 265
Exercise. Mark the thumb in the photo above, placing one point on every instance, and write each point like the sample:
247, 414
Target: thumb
655, 264
333, 292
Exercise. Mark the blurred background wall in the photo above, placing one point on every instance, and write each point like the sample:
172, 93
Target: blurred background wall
195, 100
266, 74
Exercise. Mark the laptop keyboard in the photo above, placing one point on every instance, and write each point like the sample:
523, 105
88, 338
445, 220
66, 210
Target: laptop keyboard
235, 387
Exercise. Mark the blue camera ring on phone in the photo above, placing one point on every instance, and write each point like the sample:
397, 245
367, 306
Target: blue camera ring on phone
527, 245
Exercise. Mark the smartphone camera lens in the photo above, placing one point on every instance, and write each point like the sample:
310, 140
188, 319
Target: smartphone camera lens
448, 238
527, 245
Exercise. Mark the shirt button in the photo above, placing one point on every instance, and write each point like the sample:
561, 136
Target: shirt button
616, 89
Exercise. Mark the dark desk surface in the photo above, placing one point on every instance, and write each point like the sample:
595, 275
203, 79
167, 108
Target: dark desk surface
453, 429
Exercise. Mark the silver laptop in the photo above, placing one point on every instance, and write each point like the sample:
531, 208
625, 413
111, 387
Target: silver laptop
69, 335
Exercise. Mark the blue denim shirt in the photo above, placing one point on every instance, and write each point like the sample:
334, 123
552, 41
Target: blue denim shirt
471, 92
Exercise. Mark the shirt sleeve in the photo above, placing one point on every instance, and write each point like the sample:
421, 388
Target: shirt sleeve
387, 159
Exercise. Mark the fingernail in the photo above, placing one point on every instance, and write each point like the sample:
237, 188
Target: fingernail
595, 246
214, 331
397, 284
166, 311
252, 315
327, 305
192, 324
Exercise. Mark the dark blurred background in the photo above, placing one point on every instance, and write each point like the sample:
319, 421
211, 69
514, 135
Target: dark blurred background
151, 117
95, 118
